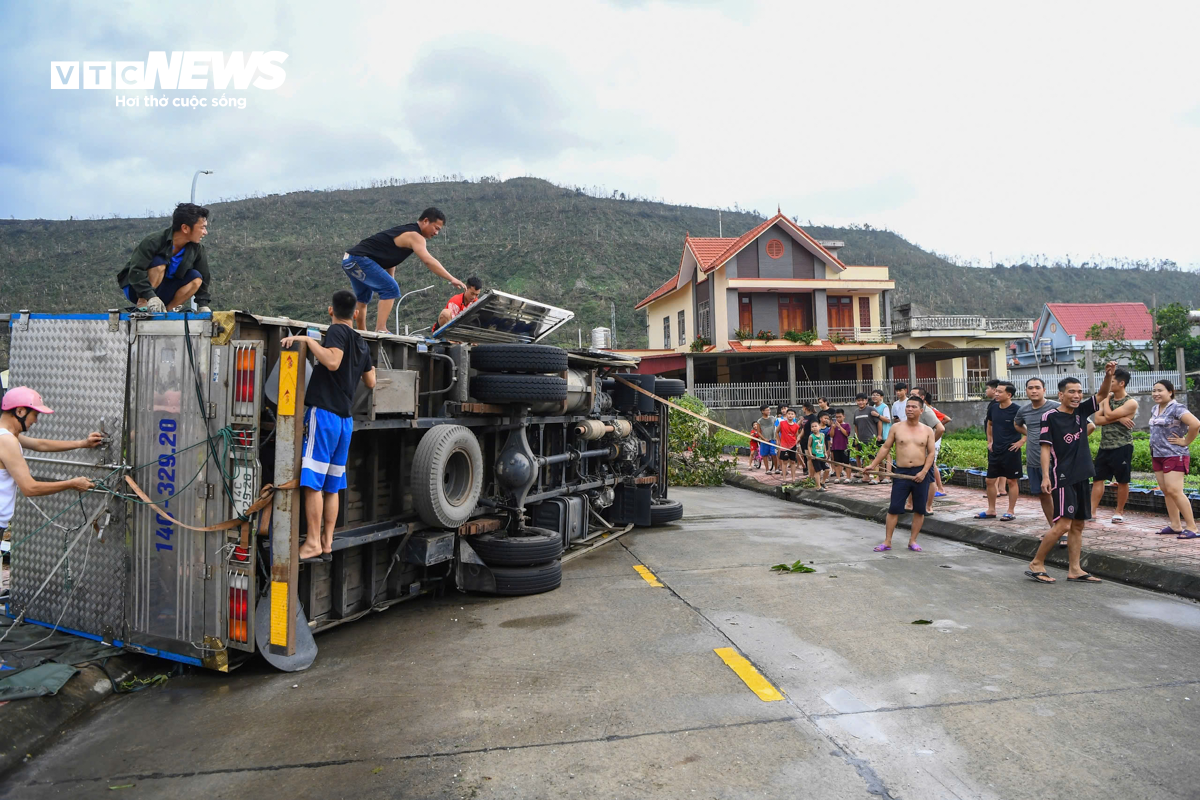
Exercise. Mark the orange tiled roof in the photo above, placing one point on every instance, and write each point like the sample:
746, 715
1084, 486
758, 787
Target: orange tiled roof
707, 249
669, 286
1077, 318
769, 349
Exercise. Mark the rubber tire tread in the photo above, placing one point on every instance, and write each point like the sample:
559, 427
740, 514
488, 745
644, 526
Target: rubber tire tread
517, 581
502, 388
666, 511
428, 463
517, 551
670, 387
530, 358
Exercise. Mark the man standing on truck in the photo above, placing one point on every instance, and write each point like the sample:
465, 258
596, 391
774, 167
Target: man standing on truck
459, 303
169, 268
342, 358
371, 264
19, 410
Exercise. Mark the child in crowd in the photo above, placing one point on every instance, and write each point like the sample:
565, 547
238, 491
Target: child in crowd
816, 454
789, 432
839, 445
825, 419
755, 458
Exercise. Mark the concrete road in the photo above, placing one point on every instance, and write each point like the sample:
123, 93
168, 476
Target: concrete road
610, 686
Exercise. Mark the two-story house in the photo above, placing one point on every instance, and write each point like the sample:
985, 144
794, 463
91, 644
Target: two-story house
1060, 337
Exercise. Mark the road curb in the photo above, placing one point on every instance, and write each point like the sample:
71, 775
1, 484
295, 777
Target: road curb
1106, 565
27, 727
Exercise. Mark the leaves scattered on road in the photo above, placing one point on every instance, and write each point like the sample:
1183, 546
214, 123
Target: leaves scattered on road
922, 622
798, 566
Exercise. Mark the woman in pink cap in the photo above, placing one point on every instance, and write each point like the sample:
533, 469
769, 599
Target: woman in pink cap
20, 408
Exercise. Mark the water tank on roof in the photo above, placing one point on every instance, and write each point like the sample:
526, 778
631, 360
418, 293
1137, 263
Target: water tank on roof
601, 339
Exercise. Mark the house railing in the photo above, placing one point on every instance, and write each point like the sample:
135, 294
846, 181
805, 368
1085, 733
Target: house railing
961, 322
747, 395
860, 335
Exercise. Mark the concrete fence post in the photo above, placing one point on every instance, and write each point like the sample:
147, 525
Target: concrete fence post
1181, 368
793, 395
1090, 366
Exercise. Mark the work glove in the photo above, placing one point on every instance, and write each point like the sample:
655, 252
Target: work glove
155, 305
203, 310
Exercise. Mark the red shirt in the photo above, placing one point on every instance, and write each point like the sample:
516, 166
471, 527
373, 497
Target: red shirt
787, 433
456, 306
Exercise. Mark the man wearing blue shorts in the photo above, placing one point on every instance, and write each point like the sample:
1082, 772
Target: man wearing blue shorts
371, 264
342, 358
765, 425
169, 268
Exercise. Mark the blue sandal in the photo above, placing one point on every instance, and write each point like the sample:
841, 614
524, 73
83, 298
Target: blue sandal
984, 515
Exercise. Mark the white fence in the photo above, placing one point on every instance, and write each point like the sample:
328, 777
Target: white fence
752, 395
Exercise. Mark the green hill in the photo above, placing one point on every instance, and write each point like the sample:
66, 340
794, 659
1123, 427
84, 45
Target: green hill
280, 255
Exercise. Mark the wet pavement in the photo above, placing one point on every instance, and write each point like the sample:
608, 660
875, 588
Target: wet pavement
1136, 537
612, 687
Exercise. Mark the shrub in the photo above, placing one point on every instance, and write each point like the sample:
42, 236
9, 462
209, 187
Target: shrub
742, 334
694, 451
801, 337
765, 335
699, 343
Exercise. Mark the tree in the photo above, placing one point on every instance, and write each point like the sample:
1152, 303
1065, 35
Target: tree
1109, 344
1175, 330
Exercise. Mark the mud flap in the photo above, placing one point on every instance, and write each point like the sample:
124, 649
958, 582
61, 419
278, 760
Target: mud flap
631, 504
470, 573
306, 646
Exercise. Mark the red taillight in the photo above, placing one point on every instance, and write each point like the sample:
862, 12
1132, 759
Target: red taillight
244, 375
241, 553
239, 607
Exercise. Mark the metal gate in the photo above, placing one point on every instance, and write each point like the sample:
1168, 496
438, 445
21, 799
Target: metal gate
80, 365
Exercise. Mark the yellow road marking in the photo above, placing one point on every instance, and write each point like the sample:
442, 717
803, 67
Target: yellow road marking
749, 675
648, 575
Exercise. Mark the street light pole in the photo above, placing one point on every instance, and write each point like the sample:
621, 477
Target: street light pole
401, 300
199, 172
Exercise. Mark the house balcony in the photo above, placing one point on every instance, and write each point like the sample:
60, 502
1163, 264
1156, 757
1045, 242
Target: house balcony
881, 335
961, 322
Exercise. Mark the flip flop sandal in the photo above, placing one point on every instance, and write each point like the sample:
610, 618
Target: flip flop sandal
1007, 517
984, 515
1117, 518
939, 494
312, 560
916, 548
1168, 531
327, 557
1085, 578
1037, 577
1188, 535
882, 548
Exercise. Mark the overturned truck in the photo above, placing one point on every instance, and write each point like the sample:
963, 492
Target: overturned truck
480, 459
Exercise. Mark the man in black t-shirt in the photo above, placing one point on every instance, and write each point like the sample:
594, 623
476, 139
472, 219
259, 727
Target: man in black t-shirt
1004, 450
371, 264
1066, 470
342, 359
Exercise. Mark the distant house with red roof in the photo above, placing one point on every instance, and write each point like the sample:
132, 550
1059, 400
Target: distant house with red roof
1061, 336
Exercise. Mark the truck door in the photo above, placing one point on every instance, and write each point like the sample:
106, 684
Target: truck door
80, 364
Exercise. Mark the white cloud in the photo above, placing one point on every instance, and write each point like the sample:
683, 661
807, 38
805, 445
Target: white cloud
1021, 129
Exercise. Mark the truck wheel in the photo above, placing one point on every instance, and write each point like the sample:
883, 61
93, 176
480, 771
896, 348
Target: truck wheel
532, 546
518, 388
513, 581
532, 358
670, 387
664, 511
447, 475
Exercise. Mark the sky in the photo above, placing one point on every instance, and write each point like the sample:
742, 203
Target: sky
986, 132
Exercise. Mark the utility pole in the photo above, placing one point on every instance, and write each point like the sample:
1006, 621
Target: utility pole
199, 172
614, 324
720, 230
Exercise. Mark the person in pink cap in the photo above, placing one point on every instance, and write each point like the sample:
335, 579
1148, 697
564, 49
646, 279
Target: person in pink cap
19, 410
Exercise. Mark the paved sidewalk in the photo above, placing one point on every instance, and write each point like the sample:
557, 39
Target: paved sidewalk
1129, 551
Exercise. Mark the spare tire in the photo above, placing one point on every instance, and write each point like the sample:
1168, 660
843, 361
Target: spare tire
447, 475
664, 511
531, 546
532, 358
518, 388
513, 581
670, 387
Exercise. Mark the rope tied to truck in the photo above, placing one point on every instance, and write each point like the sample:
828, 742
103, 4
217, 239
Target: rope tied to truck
242, 521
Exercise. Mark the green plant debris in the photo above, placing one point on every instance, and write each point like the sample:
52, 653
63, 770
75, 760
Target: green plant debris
797, 566
377, 770
122, 786
137, 684
922, 622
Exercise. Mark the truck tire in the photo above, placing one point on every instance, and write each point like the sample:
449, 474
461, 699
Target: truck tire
532, 358
518, 388
670, 387
533, 546
447, 475
664, 511
514, 581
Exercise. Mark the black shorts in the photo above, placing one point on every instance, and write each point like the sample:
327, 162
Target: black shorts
787, 455
1073, 501
841, 456
1005, 464
1115, 464
902, 489
819, 466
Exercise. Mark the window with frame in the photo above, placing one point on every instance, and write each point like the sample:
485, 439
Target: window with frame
667, 332
704, 320
682, 329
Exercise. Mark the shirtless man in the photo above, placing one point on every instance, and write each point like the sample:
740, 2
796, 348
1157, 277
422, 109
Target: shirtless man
914, 456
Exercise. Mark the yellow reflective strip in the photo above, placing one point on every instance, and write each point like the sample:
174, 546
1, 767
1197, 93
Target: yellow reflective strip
647, 575
749, 675
279, 615
288, 363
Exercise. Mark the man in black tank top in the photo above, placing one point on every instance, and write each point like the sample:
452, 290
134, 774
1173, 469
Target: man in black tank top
371, 264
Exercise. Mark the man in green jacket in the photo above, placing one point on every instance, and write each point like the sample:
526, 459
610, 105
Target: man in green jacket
169, 268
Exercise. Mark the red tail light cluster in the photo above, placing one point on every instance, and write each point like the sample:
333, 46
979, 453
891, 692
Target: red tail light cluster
243, 375
239, 607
